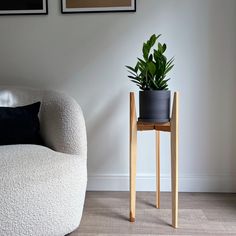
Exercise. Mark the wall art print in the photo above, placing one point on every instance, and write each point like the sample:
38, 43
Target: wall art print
23, 7
83, 6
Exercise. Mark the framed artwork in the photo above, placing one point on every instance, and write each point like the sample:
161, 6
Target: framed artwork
83, 6
23, 7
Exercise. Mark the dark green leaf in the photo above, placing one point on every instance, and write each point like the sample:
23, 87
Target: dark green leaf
151, 68
152, 40
131, 68
132, 73
170, 61
132, 77
168, 69
160, 48
164, 47
150, 57
146, 50
136, 67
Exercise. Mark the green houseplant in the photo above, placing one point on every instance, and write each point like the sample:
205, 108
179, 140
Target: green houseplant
149, 74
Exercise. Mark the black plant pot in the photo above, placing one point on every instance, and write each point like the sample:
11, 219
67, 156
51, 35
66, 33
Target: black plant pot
154, 106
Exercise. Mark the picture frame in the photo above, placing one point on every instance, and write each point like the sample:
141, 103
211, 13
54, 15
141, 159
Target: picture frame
93, 6
23, 7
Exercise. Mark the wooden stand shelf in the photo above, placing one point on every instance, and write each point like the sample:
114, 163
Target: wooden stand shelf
173, 128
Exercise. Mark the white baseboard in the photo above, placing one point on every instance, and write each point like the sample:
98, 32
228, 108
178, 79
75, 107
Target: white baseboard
194, 183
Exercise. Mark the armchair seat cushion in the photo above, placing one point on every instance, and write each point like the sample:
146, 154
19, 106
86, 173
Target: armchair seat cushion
48, 188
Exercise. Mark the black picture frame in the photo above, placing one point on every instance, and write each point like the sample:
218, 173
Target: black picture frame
65, 10
24, 9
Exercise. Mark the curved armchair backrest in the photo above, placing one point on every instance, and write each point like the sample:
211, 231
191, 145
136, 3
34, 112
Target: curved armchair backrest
61, 118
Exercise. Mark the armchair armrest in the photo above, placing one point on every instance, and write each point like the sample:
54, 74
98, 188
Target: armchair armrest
62, 124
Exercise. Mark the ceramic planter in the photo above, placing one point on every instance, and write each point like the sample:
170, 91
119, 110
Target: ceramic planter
154, 106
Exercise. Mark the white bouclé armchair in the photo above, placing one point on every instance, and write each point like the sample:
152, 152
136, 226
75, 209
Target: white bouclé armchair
42, 188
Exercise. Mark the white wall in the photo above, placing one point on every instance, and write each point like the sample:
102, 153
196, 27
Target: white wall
84, 55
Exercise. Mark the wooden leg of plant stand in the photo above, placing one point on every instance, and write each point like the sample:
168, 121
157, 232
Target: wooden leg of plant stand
174, 160
133, 156
157, 169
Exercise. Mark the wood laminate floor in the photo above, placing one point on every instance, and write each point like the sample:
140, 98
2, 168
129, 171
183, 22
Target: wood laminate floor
106, 214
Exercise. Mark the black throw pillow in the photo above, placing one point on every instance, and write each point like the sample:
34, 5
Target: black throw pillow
20, 125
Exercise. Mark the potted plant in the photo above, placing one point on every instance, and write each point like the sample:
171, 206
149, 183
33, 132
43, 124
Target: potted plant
149, 74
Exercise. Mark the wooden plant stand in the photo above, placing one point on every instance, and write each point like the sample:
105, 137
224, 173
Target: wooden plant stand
173, 128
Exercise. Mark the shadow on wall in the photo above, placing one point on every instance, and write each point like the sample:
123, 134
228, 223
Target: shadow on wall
208, 110
221, 84
107, 129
